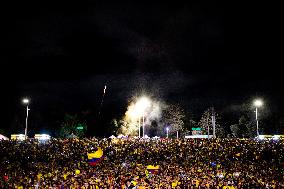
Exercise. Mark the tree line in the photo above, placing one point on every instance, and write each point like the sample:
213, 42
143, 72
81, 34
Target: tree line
176, 119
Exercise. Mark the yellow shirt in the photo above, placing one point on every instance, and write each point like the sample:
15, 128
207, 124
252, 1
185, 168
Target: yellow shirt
228, 187
39, 176
174, 184
65, 176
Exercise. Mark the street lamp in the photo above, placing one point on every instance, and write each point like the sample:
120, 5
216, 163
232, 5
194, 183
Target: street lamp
26, 101
257, 103
177, 134
167, 131
139, 122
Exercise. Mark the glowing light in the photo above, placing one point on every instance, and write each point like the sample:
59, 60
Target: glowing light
42, 136
143, 109
261, 137
105, 89
138, 109
258, 103
26, 101
167, 128
18, 137
276, 137
141, 106
135, 111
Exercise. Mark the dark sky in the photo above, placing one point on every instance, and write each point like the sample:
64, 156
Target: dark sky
62, 55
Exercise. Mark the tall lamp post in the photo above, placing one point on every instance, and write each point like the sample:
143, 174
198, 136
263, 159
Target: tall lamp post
26, 101
257, 103
177, 134
139, 122
143, 125
167, 132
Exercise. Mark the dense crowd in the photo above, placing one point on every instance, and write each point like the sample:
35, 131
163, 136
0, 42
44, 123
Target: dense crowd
184, 163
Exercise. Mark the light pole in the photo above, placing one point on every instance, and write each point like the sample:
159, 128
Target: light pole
167, 132
26, 101
257, 103
177, 134
213, 122
139, 127
143, 125
208, 131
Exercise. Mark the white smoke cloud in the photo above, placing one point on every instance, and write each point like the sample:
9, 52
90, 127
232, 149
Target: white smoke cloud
141, 107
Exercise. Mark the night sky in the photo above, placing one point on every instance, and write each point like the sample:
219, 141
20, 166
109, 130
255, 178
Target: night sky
62, 55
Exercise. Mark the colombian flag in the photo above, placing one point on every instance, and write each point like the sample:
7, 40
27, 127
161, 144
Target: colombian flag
95, 157
153, 169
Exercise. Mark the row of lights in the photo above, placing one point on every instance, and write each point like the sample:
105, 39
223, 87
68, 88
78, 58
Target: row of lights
274, 137
257, 103
37, 136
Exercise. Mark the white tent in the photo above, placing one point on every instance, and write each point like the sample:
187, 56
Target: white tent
146, 136
112, 136
121, 136
2, 137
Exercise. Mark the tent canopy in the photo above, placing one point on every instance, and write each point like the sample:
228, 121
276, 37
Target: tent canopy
2, 137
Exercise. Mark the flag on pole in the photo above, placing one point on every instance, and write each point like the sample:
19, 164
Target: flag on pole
95, 157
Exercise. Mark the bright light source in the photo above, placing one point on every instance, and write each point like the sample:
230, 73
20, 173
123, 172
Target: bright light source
275, 137
21, 137
42, 136
261, 137
26, 101
140, 112
142, 104
258, 103
139, 108
168, 128
18, 137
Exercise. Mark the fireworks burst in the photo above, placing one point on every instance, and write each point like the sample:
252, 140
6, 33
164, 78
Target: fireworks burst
141, 108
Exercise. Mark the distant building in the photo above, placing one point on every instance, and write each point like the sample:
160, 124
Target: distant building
198, 136
42, 137
2, 137
17, 137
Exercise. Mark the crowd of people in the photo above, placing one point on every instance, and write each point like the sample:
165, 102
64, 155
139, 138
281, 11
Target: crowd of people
182, 163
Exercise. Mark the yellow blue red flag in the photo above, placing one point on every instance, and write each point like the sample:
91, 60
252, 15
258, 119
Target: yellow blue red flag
95, 157
153, 169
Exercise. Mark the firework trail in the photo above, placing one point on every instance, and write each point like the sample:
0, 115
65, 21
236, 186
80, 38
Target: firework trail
102, 101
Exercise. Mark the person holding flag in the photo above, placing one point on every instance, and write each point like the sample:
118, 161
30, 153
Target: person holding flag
95, 157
